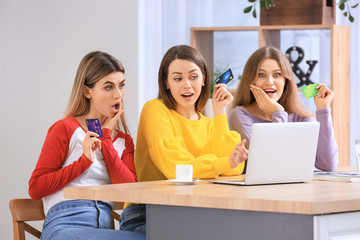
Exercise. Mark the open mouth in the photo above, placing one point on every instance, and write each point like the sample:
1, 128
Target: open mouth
187, 95
116, 107
268, 91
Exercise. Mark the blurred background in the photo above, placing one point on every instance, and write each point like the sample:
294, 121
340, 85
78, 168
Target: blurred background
42, 43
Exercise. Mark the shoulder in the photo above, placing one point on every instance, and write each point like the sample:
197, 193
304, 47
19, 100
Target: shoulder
239, 109
66, 124
62, 130
128, 139
154, 106
154, 103
239, 112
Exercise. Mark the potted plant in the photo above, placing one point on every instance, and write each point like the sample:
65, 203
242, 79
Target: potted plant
288, 12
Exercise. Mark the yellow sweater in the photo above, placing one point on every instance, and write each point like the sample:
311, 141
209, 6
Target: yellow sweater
165, 139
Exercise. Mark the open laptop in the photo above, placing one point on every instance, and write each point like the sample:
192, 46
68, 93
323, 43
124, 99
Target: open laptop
280, 153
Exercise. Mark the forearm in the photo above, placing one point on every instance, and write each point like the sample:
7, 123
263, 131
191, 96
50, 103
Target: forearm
46, 180
121, 170
327, 151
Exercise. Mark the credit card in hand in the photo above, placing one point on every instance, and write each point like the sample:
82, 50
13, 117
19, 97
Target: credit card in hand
94, 126
310, 90
225, 77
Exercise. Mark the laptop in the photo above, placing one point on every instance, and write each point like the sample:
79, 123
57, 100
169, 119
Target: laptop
280, 153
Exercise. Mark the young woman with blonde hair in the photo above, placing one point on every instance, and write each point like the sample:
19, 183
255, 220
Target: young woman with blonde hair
72, 156
268, 93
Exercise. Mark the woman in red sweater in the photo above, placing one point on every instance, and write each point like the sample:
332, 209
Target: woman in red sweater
73, 156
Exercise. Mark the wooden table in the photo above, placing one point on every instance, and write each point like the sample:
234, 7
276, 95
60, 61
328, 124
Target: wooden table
315, 210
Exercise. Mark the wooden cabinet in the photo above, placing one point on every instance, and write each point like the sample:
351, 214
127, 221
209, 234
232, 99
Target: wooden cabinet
202, 38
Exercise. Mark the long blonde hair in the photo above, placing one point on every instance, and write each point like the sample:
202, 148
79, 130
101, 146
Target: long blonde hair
92, 68
289, 99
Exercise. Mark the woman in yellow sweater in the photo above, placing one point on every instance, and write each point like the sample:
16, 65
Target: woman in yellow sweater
173, 131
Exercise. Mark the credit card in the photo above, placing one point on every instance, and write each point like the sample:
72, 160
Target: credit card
224, 78
94, 126
310, 90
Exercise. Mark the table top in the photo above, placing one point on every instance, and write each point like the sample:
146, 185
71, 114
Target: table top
312, 198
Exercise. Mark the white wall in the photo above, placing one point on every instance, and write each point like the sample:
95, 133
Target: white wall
41, 45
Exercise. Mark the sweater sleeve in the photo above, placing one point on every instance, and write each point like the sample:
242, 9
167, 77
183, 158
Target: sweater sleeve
327, 150
121, 170
167, 146
49, 176
241, 121
222, 142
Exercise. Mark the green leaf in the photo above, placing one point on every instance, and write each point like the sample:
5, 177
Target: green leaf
264, 4
254, 13
355, 5
345, 14
351, 18
248, 9
252, 1
342, 6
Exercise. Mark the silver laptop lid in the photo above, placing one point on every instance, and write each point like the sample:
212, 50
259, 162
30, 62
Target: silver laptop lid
282, 152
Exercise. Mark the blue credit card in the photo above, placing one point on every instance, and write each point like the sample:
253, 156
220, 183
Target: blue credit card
94, 126
226, 77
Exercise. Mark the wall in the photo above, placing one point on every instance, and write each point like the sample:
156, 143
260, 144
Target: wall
41, 45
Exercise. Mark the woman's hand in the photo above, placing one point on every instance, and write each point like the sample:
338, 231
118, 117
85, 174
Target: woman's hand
221, 98
239, 155
324, 97
264, 102
90, 144
110, 122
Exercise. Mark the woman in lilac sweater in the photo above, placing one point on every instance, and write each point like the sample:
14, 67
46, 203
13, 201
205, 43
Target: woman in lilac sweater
268, 93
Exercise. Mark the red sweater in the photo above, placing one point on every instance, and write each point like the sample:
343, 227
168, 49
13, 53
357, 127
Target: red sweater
63, 164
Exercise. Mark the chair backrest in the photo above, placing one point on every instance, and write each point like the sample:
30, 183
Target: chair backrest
25, 210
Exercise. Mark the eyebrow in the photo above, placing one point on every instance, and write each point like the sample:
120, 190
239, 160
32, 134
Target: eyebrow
191, 71
278, 69
109, 82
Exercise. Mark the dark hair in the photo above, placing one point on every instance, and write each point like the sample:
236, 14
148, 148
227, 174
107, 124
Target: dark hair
186, 53
92, 68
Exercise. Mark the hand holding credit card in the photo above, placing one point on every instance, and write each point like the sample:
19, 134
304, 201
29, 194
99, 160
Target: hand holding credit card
224, 78
94, 126
310, 90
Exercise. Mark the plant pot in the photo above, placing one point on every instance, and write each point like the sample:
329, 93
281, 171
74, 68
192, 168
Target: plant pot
299, 12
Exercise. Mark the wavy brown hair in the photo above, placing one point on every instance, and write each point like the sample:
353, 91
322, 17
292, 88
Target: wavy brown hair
289, 99
186, 53
92, 68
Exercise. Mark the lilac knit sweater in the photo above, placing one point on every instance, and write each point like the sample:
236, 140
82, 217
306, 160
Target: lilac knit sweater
241, 120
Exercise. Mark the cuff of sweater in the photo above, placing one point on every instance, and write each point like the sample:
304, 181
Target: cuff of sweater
85, 161
322, 112
106, 132
221, 125
221, 165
